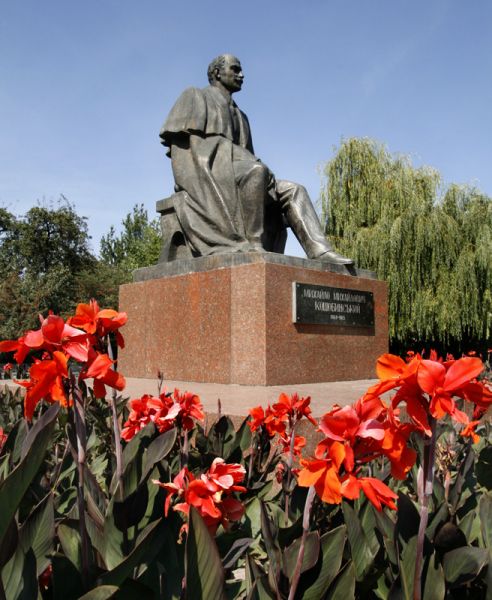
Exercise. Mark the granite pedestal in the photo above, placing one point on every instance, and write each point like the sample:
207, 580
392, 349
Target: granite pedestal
228, 319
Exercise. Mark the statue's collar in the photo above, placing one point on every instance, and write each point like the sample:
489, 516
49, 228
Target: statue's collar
221, 94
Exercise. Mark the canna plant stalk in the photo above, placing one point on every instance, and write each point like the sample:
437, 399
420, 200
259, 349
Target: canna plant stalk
80, 451
290, 460
116, 431
305, 530
425, 487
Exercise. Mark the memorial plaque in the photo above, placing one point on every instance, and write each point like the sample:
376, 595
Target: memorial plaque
323, 305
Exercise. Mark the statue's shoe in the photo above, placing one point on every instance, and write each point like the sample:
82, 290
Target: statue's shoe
334, 258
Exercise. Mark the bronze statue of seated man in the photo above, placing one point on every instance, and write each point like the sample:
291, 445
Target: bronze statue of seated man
232, 201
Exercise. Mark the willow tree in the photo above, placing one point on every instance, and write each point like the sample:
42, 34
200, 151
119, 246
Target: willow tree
432, 246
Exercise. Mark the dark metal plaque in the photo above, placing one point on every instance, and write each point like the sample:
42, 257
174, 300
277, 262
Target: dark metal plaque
323, 305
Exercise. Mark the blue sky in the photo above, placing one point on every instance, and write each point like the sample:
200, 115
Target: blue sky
85, 87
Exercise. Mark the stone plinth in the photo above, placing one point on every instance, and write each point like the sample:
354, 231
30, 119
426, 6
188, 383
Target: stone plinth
228, 319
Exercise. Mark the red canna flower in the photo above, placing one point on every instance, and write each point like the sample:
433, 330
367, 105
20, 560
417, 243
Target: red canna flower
377, 492
45, 579
257, 419
355, 428
55, 334
191, 408
345, 425
395, 445
210, 494
198, 495
3, 439
176, 487
293, 407
393, 372
470, 431
138, 418
410, 355
100, 368
441, 383
323, 474
95, 321
46, 382
224, 476
299, 443
17, 346
232, 510
166, 411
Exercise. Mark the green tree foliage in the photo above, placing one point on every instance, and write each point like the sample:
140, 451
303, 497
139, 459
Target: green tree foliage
42, 255
138, 244
433, 246
46, 262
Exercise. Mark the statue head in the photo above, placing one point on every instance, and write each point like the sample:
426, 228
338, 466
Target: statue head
226, 72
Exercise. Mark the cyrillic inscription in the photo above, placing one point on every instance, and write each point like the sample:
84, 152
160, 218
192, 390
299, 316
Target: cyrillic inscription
319, 304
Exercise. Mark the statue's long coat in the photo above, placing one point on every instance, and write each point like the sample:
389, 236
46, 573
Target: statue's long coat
204, 143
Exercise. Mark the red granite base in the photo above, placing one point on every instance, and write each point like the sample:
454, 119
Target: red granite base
234, 325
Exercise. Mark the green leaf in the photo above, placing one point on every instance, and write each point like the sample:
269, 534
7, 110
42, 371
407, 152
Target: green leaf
158, 450
112, 539
483, 468
203, 568
362, 555
67, 581
243, 435
38, 532
464, 564
69, 536
13, 488
222, 436
387, 528
16, 439
9, 545
252, 574
310, 558
96, 536
435, 584
4, 467
262, 590
253, 517
103, 592
132, 510
344, 585
485, 508
368, 522
441, 516
131, 449
408, 518
132, 460
407, 568
332, 544
272, 548
95, 497
148, 545
237, 549
381, 589
19, 576
286, 535
470, 525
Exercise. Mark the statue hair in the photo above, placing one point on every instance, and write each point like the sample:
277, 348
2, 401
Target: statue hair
217, 63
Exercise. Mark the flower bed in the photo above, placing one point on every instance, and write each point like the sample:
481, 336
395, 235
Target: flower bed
104, 497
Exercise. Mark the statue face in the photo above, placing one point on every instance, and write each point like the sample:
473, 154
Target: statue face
231, 74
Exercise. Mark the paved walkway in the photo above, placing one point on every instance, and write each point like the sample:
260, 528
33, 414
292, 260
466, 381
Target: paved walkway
236, 400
